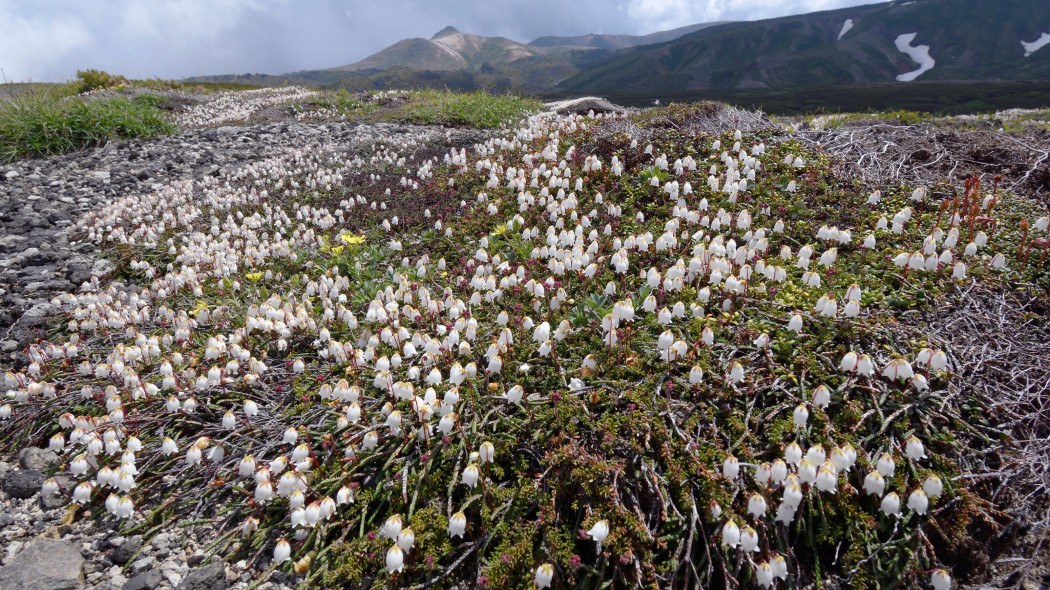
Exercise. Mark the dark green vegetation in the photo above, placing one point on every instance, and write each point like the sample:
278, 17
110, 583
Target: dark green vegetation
948, 98
91, 79
607, 41
476, 109
46, 123
971, 40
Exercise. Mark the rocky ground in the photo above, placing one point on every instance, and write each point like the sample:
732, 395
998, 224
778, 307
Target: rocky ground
41, 551
40, 202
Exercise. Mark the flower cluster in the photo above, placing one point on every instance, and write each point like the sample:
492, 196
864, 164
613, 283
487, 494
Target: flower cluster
238, 107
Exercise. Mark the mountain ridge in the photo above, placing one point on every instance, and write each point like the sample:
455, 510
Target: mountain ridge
614, 41
452, 49
818, 48
972, 41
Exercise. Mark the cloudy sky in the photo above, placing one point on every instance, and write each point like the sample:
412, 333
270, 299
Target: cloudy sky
49, 40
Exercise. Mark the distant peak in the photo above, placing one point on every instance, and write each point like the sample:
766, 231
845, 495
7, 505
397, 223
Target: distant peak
449, 30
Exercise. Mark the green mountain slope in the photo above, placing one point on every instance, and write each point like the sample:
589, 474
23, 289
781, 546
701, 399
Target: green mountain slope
420, 54
606, 41
968, 40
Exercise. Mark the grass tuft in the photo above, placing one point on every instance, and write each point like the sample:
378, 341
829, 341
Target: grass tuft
44, 124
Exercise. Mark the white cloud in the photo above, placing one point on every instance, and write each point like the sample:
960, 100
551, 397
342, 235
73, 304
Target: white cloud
186, 22
658, 15
29, 45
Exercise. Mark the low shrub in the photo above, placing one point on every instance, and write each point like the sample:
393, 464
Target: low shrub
88, 80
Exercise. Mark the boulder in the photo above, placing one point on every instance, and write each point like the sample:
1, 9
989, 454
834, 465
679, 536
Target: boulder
37, 458
144, 581
127, 550
209, 577
60, 498
23, 483
45, 565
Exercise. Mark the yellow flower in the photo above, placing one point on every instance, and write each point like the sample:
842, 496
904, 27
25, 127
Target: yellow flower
338, 250
502, 229
255, 276
352, 240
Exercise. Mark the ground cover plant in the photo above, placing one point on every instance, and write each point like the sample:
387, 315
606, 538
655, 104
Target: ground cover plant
659, 350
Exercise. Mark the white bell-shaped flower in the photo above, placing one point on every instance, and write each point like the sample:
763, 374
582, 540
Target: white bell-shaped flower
457, 525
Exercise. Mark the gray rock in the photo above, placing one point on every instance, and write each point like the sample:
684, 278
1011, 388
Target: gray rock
54, 500
44, 565
143, 564
161, 541
79, 270
228, 130
37, 458
209, 577
33, 257
12, 243
581, 106
23, 483
36, 317
144, 581
101, 267
127, 550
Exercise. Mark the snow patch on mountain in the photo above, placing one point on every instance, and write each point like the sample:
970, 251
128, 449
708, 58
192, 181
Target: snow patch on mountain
1042, 41
846, 26
920, 54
